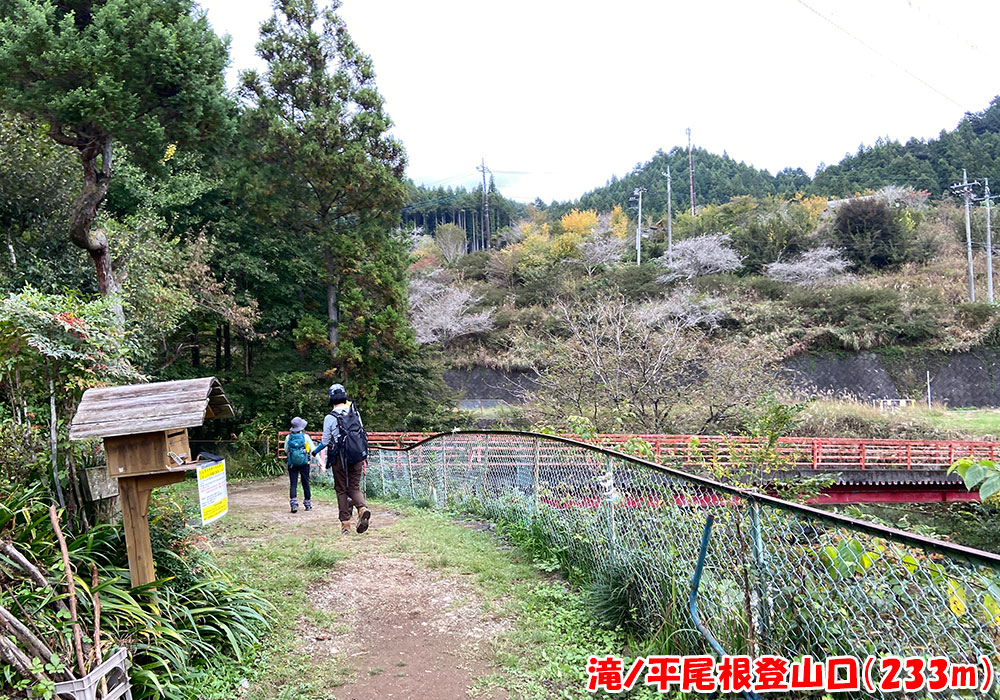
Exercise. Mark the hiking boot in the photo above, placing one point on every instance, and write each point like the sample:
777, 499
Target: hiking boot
363, 520
295, 509
345, 528
309, 506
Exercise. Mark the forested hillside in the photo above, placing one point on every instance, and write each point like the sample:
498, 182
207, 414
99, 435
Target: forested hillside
426, 207
932, 165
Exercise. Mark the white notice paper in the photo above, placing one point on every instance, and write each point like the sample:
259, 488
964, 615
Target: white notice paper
212, 492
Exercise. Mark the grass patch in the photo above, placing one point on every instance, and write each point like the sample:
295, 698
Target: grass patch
321, 557
983, 423
281, 565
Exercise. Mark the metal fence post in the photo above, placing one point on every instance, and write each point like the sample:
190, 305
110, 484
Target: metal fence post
444, 476
612, 534
409, 474
763, 613
478, 453
534, 478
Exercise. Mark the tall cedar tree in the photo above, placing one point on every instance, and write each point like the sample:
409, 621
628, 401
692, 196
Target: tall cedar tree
142, 74
322, 149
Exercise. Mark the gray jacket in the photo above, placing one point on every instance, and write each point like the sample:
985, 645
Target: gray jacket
331, 431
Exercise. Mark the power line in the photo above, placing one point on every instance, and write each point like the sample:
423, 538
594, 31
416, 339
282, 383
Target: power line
880, 54
447, 179
937, 23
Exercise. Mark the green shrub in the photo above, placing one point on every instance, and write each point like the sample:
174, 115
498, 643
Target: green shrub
976, 313
193, 614
473, 265
766, 288
861, 318
636, 282
870, 234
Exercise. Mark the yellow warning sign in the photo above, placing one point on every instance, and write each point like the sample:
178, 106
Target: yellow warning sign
212, 492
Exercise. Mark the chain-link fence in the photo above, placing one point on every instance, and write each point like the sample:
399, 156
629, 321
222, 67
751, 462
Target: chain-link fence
779, 578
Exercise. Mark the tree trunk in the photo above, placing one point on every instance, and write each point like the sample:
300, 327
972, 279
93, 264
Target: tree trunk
332, 290
81, 232
228, 347
218, 348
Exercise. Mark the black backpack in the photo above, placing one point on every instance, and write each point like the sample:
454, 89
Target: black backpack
352, 443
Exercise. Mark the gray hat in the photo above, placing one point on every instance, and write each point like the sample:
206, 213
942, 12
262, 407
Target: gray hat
338, 392
298, 425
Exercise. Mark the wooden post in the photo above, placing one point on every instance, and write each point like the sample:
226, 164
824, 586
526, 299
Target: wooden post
134, 492
135, 511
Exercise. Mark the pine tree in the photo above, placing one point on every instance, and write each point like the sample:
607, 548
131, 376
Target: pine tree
323, 155
137, 73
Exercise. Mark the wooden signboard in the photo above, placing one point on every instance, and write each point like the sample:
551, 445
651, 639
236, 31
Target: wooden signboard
144, 428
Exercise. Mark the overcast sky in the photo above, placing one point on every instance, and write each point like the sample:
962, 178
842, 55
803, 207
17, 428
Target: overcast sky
558, 95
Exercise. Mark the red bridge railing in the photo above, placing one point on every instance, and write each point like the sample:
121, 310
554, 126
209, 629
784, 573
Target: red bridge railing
801, 452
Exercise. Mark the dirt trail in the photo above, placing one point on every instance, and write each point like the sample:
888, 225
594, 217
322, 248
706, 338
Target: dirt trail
406, 631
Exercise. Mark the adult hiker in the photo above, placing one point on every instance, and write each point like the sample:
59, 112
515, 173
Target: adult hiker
298, 447
347, 449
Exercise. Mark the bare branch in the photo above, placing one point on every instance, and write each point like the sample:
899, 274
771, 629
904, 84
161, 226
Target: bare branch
701, 255
809, 269
441, 313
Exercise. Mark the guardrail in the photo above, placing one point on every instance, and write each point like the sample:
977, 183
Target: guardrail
799, 452
779, 577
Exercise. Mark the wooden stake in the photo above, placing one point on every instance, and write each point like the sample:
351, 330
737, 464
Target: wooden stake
99, 655
77, 636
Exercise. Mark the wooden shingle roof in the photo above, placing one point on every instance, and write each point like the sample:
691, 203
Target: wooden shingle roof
146, 408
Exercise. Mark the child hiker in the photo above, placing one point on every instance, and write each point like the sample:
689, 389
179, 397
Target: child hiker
298, 447
347, 449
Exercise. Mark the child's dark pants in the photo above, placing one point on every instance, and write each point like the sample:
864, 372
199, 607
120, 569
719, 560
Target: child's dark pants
293, 477
348, 488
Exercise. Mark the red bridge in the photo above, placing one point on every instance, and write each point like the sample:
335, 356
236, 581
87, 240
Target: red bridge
865, 471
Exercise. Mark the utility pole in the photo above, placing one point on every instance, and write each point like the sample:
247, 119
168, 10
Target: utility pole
638, 227
486, 206
670, 217
964, 190
690, 170
989, 242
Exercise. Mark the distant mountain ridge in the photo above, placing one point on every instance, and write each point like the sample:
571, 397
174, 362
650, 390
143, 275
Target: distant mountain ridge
932, 165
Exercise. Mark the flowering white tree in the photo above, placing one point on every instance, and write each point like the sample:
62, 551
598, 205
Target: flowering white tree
440, 313
597, 251
701, 255
685, 308
810, 268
